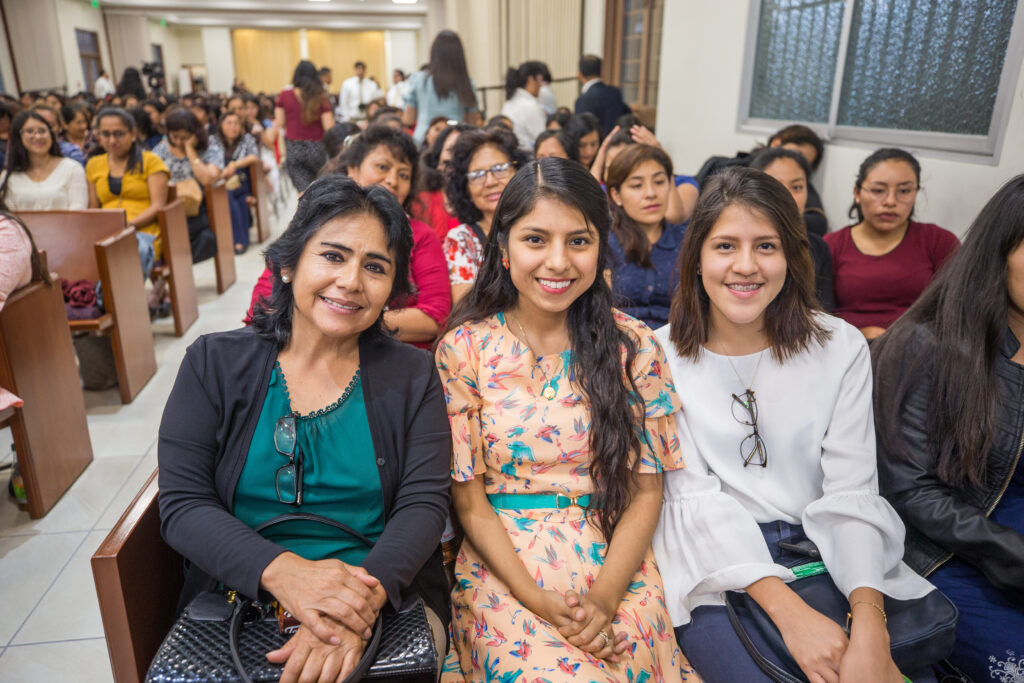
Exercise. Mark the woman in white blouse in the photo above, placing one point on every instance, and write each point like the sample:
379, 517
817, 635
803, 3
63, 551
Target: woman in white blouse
779, 441
37, 177
522, 86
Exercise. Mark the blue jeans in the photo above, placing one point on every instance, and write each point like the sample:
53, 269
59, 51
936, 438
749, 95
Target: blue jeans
147, 255
711, 644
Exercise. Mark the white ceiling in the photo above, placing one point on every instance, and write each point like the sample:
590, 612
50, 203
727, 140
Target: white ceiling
338, 14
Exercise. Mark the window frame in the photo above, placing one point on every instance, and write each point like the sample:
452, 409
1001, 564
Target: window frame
985, 148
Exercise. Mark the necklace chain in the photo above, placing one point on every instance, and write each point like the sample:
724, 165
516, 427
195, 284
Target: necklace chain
748, 387
547, 389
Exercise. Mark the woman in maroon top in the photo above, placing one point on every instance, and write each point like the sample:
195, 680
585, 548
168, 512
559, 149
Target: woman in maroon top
303, 113
883, 263
384, 156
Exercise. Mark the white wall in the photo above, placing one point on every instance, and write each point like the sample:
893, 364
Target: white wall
220, 60
402, 50
72, 14
190, 45
698, 102
593, 26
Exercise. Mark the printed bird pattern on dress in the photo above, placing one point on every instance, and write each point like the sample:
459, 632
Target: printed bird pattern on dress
520, 442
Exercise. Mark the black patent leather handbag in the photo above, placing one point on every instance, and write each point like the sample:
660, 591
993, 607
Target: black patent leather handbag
921, 631
222, 638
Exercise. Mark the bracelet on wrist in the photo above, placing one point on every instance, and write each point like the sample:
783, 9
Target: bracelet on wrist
849, 615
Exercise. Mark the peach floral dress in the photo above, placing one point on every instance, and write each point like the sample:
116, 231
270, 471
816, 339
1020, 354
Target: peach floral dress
520, 442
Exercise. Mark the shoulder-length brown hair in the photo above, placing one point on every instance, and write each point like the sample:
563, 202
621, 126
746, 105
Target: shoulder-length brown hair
633, 240
790, 321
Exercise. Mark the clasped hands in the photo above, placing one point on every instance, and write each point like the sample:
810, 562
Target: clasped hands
335, 603
582, 619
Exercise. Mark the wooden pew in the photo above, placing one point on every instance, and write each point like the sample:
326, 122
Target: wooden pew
96, 244
219, 212
37, 362
138, 579
177, 266
262, 206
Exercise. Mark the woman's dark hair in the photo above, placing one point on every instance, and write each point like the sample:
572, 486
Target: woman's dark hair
327, 198
561, 118
456, 186
17, 155
448, 68
598, 342
431, 179
306, 80
230, 147
398, 143
763, 158
183, 119
69, 111
800, 135
633, 240
884, 154
962, 317
131, 84
571, 151
516, 77
129, 121
335, 136
39, 273
155, 103
627, 121
581, 125
790, 320
500, 121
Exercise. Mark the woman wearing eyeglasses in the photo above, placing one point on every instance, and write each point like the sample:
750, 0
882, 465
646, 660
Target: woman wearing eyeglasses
36, 176
315, 409
561, 416
883, 263
778, 436
482, 163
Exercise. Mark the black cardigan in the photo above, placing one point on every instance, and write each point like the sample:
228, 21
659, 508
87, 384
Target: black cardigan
205, 434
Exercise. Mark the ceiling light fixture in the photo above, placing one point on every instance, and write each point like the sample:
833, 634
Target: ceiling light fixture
404, 2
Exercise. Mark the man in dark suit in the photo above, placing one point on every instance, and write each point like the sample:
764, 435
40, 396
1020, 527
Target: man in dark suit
600, 99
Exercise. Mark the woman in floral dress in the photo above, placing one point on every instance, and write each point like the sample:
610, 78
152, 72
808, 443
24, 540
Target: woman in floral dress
561, 412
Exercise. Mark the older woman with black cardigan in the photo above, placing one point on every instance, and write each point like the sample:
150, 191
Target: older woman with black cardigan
315, 409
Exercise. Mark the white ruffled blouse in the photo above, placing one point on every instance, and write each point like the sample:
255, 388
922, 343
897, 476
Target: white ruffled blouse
816, 419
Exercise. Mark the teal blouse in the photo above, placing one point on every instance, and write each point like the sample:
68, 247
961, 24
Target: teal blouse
341, 480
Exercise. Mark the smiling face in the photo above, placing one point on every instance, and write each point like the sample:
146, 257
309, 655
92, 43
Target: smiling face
381, 167
343, 278
789, 173
644, 193
887, 195
36, 136
486, 193
588, 147
742, 268
553, 257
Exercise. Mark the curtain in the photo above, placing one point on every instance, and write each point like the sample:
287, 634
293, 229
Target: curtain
129, 44
339, 50
265, 59
40, 63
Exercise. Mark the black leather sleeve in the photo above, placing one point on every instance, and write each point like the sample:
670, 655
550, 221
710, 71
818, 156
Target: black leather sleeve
936, 511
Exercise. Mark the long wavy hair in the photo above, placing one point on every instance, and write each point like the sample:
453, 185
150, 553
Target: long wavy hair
966, 311
448, 68
790, 321
633, 240
599, 345
306, 80
327, 198
457, 186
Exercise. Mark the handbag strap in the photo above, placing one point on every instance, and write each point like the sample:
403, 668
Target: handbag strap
310, 517
773, 671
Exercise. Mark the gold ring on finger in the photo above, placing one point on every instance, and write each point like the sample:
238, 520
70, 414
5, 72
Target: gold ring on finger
604, 635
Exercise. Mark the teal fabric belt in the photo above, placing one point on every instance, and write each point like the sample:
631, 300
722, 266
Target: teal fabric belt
533, 501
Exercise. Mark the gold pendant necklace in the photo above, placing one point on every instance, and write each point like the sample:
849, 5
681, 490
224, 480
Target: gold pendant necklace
550, 387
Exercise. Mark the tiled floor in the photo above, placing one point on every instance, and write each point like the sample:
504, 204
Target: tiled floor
50, 628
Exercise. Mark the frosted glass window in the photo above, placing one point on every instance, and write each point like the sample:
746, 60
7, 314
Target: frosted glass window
795, 63
929, 66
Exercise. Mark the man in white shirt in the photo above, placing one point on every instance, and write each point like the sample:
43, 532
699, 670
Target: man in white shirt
355, 91
103, 86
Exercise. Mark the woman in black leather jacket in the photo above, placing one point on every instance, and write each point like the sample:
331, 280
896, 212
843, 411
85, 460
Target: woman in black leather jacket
949, 408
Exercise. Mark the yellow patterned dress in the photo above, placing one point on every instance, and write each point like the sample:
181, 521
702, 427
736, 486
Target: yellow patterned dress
520, 442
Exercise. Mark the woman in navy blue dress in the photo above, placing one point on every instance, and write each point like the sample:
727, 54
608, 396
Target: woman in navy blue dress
644, 246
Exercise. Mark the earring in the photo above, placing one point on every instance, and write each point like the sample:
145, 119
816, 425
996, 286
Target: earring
698, 270
285, 279
504, 263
